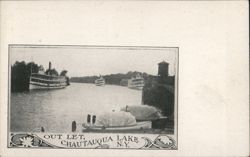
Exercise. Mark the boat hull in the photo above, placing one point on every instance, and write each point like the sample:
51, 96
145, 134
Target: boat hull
138, 126
137, 88
39, 86
100, 84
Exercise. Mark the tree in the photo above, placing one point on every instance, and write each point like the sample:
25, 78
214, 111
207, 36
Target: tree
51, 72
20, 74
63, 73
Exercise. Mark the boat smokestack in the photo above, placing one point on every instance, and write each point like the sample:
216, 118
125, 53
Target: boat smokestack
49, 65
49, 68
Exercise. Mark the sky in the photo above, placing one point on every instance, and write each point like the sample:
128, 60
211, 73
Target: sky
89, 60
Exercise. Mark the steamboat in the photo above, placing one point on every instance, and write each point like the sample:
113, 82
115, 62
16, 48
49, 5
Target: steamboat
136, 82
100, 81
48, 79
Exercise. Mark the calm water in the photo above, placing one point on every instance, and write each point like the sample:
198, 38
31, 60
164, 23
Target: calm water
56, 109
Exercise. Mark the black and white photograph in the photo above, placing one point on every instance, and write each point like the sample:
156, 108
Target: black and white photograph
93, 89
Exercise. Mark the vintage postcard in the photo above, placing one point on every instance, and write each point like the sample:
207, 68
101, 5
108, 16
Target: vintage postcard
105, 97
124, 79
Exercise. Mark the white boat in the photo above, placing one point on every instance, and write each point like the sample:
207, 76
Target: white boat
41, 80
100, 81
137, 126
116, 121
136, 82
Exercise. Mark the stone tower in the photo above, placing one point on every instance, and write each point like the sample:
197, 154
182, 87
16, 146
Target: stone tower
163, 69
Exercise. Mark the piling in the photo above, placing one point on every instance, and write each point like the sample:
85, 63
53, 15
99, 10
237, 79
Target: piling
42, 129
89, 119
73, 126
93, 119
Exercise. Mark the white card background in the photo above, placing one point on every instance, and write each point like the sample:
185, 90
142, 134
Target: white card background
213, 105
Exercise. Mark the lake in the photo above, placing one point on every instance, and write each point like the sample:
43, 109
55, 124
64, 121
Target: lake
56, 109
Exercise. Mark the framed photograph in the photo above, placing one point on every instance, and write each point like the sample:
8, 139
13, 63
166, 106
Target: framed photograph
109, 97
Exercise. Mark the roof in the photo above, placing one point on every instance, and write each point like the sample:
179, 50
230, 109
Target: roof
163, 62
142, 112
120, 118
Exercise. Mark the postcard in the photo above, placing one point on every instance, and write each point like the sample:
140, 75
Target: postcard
124, 78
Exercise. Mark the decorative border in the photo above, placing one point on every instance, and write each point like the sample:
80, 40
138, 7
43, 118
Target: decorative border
31, 140
160, 142
20, 140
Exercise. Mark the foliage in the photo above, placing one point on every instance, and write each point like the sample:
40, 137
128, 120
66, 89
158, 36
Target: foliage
51, 72
63, 73
160, 97
20, 74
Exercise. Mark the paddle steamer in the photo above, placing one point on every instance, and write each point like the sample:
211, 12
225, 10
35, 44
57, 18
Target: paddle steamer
47, 80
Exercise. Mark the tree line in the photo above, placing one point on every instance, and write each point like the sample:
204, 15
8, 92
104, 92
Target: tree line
113, 79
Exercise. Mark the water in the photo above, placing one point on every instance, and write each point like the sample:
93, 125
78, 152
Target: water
56, 109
